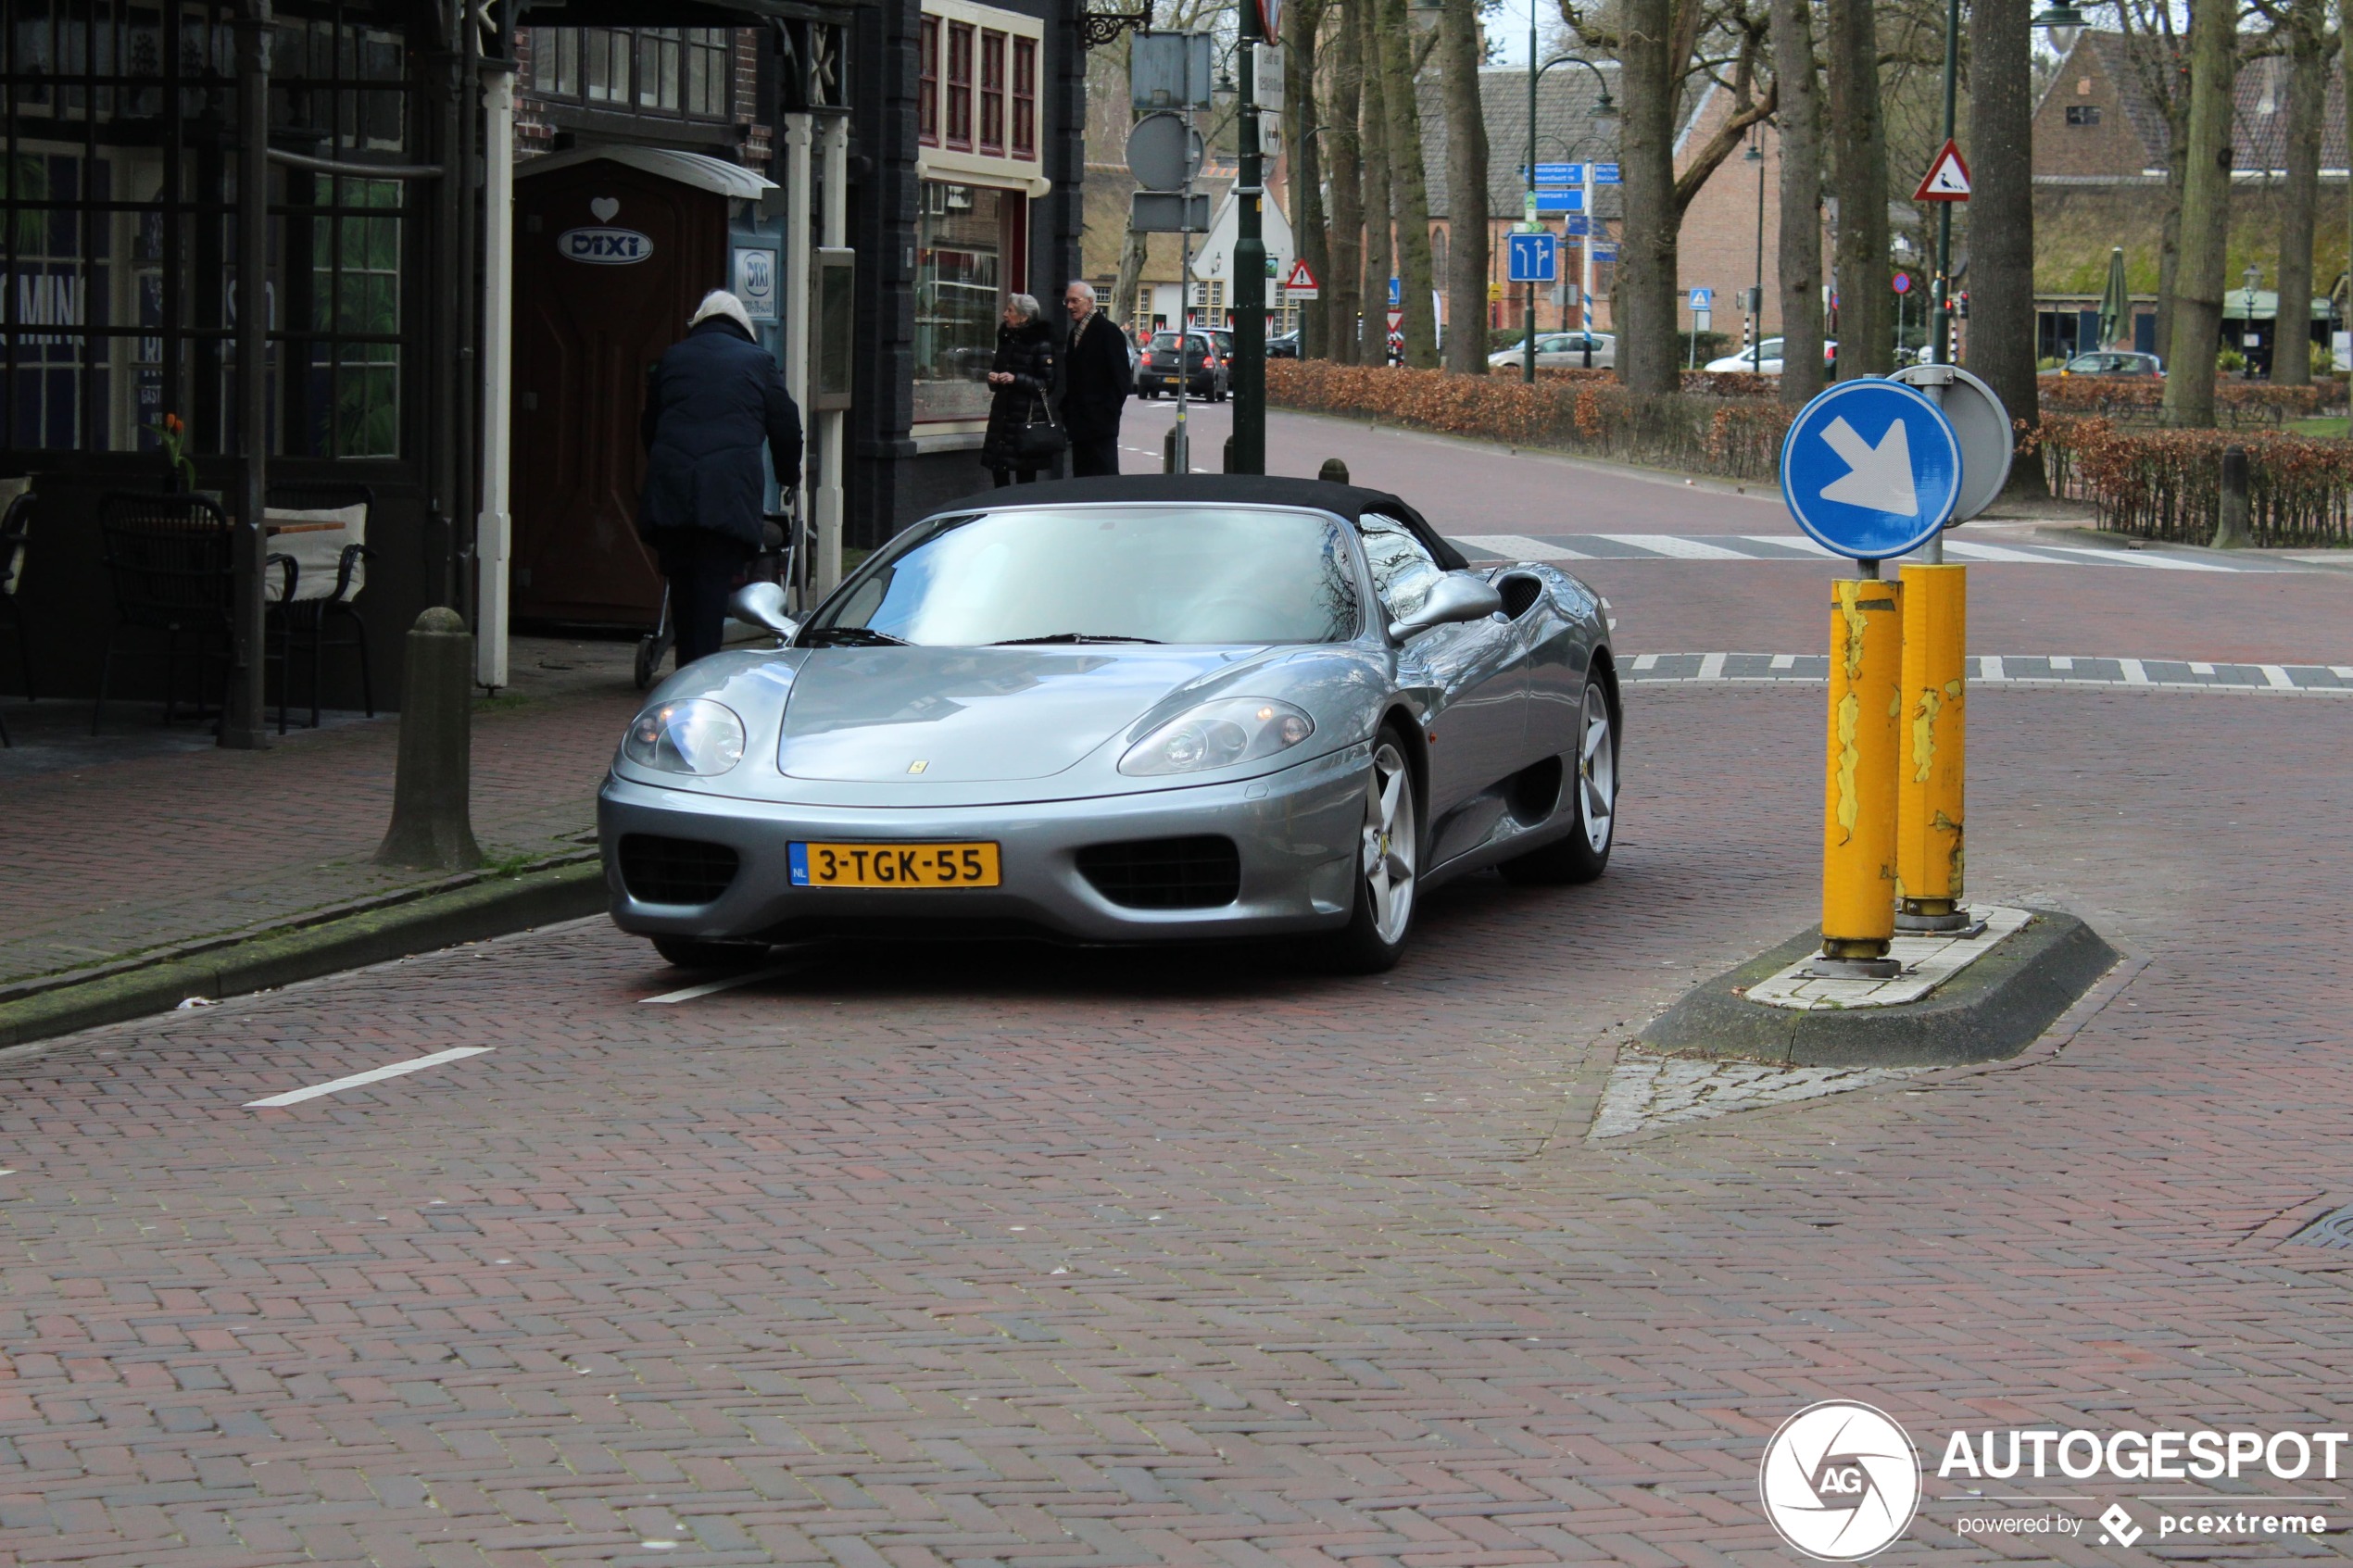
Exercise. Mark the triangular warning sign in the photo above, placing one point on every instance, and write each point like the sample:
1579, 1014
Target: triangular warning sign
1947, 178
1300, 277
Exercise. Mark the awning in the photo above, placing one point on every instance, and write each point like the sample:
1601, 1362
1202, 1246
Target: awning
699, 169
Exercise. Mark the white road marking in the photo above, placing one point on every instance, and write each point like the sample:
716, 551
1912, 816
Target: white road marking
1518, 547
1993, 670
1675, 547
2062, 661
1711, 668
713, 987
2135, 672
2141, 558
1990, 667
1646, 662
1968, 551
1794, 542
2200, 667
2276, 678
1785, 661
2342, 672
374, 1075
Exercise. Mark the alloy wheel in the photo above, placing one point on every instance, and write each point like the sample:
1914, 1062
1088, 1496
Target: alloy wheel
1389, 847
1596, 772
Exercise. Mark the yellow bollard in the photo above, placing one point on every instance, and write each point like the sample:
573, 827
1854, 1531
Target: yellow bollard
1930, 780
1858, 800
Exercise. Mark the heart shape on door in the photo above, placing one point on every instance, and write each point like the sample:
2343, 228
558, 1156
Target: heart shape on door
604, 207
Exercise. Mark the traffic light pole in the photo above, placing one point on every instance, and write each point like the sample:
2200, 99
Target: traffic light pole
1250, 269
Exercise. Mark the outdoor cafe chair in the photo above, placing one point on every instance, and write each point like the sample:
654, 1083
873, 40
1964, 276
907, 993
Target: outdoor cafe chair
170, 560
320, 529
15, 524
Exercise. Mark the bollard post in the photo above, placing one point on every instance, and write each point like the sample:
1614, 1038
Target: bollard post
1168, 452
1858, 800
2229, 520
431, 797
1929, 775
1334, 472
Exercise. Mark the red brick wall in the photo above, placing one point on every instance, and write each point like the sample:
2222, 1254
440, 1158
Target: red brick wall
1717, 248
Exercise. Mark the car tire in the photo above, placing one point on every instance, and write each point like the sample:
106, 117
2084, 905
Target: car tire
1387, 867
696, 952
1590, 775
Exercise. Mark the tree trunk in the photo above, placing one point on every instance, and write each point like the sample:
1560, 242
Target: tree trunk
2307, 86
1866, 304
1465, 190
2205, 216
2001, 218
1644, 310
1343, 298
1799, 81
1310, 234
1409, 178
1131, 276
1380, 220
2169, 231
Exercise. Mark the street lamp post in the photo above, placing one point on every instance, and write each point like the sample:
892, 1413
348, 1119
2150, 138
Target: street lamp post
1603, 109
1755, 155
2252, 278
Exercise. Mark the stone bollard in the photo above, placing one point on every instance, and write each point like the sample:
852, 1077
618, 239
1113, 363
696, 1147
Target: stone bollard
431, 797
1334, 472
1227, 465
1168, 451
2230, 521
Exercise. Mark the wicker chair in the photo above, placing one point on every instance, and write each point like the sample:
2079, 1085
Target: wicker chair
170, 560
301, 620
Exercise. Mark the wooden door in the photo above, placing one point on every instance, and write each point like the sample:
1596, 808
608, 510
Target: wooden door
610, 262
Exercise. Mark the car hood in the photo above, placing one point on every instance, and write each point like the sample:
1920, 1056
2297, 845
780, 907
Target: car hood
964, 715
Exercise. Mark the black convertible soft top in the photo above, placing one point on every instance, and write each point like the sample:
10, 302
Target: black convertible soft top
1233, 489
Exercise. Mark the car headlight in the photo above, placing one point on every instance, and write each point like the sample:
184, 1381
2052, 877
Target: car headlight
1218, 734
694, 736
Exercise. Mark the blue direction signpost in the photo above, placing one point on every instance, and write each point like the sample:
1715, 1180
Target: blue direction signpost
1870, 468
1535, 259
1559, 176
1605, 174
1560, 201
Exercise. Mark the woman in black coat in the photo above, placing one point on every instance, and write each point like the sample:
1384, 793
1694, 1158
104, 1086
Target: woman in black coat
1022, 373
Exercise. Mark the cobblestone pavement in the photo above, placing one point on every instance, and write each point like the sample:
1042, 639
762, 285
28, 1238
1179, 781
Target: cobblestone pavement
116, 853
1013, 1257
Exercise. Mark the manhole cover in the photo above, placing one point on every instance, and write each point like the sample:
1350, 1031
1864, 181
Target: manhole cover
2332, 1229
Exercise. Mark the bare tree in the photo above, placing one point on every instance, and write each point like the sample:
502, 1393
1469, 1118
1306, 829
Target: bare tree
2159, 58
1866, 312
1343, 298
2000, 218
1645, 304
1458, 53
1380, 217
1798, 82
1409, 179
2303, 26
1303, 20
2205, 216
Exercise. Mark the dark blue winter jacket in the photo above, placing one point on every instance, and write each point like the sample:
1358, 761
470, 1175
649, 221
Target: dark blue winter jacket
709, 403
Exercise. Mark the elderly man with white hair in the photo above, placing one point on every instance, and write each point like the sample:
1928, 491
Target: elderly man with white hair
715, 396
1097, 378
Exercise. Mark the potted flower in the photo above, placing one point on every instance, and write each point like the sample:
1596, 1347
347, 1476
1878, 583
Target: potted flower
171, 435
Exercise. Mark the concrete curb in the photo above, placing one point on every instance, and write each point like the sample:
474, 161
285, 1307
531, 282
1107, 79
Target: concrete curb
492, 908
1990, 1011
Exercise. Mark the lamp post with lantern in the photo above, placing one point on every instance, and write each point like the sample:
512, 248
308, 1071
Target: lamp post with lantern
1604, 109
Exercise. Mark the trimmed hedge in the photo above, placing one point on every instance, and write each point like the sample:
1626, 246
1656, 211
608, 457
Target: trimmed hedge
2167, 483
1586, 412
2236, 403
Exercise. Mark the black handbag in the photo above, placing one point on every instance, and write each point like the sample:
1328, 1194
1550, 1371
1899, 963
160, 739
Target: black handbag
1040, 439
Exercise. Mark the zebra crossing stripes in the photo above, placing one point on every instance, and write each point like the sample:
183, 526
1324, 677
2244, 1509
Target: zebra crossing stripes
2010, 670
1751, 547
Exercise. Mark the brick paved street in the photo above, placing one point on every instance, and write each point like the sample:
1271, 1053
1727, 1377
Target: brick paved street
1021, 1258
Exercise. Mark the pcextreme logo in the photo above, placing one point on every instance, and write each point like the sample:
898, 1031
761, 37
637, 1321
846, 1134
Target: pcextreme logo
1840, 1481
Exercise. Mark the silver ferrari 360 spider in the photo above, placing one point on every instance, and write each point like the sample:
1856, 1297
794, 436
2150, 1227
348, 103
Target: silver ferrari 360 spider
1116, 710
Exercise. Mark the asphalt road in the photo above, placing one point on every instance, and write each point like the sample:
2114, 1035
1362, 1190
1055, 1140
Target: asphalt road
1009, 1256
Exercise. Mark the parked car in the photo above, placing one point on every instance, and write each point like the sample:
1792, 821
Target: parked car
2110, 362
1146, 709
1764, 358
1283, 347
1559, 351
1204, 368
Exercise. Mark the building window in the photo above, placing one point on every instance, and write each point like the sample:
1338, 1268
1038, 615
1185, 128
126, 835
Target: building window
121, 284
959, 86
607, 51
2082, 113
992, 92
968, 251
659, 73
710, 63
1025, 97
927, 86
554, 61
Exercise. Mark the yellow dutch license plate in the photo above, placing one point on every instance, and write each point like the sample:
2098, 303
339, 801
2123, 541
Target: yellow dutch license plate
894, 865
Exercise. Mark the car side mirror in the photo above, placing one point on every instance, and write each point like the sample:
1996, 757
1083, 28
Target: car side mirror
1458, 596
764, 604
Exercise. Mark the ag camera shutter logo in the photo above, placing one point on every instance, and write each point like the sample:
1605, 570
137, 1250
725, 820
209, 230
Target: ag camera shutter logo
1840, 1481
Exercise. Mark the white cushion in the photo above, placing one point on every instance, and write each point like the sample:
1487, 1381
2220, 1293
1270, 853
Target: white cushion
9, 490
318, 552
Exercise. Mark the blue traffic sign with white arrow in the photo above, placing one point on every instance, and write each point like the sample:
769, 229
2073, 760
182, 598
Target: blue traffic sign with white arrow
1535, 259
1870, 468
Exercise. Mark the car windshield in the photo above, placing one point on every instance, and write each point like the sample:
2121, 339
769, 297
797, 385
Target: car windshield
1145, 575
